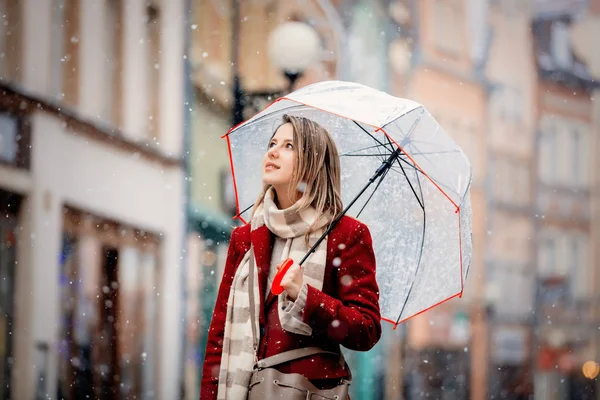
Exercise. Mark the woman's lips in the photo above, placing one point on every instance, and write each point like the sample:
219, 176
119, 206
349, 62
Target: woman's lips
270, 167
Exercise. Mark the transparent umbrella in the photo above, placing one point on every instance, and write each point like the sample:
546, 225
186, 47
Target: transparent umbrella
402, 175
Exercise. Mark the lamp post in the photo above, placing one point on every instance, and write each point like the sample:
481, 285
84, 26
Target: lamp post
292, 47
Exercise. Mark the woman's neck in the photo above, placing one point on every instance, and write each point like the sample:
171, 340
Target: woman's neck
283, 200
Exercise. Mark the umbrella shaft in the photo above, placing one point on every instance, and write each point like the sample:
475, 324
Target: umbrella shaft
387, 164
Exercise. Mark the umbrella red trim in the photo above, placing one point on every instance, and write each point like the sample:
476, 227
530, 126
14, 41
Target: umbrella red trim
237, 199
462, 279
233, 128
459, 294
420, 312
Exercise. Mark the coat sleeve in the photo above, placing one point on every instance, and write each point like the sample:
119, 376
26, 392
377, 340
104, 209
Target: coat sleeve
353, 318
214, 345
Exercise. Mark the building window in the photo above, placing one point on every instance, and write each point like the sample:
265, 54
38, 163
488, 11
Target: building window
113, 61
109, 287
580, 157
515, 281
548, 157
70, 59
477, 14
575, 155
9, 230
561, 49
563, 174
507, 103
512, 181
523, 183
568, 167
137, 290
57, 50
9, 130
11, 36
447, 26
367, 40
15, 142
547, 255
579, 268
153, 23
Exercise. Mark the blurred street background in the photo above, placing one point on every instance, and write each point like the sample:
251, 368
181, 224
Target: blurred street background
117, 199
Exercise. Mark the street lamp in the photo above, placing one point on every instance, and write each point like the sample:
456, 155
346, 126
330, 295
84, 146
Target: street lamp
292, 47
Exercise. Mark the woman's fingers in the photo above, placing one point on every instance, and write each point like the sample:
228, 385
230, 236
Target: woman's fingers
292, 277
292, 281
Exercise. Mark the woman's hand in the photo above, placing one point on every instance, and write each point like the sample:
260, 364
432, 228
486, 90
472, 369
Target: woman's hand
292, 281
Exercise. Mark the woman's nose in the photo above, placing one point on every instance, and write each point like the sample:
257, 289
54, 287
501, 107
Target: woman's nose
273, 152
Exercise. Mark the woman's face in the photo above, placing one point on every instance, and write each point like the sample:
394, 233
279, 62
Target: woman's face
280, 159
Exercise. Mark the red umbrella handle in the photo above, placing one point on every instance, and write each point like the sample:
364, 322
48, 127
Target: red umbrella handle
276, 288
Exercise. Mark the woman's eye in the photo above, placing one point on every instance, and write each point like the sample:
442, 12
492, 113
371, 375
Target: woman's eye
271, 144
289, 146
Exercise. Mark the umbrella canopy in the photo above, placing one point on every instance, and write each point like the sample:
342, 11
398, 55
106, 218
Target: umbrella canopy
418, 211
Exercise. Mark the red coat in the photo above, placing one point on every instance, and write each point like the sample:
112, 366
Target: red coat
345, 312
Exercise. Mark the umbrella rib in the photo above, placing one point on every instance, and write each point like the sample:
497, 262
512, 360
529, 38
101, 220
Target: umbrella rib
440, 184
417, 269
422, 204
420, 253
417, 169
380, 179
362, 155
373, 193
409, 164
409, 182
374, 138
364, 148
436, 152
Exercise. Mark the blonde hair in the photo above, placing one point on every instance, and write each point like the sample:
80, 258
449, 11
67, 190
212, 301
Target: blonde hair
317, 169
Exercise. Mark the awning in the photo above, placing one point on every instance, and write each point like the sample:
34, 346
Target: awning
210, 224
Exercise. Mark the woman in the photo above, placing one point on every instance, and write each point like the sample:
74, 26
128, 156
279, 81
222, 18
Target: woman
332, 300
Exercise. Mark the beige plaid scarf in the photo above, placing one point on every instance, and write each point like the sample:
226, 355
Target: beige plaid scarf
237, 360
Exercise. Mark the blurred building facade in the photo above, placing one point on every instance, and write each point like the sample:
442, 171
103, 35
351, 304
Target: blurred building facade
566, 302
92, 194
510, 254
93, 187
515, 289
583, 32
340, 25
438, 60
478, 66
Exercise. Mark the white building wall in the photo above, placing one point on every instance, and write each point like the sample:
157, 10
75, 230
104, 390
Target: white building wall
70, 169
